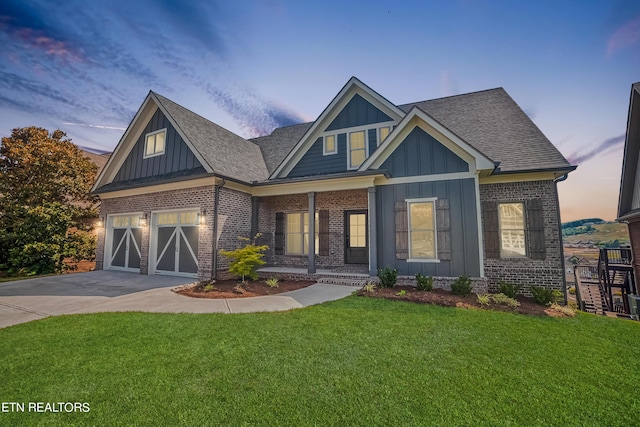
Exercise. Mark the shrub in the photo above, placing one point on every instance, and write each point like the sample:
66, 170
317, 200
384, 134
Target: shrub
388, 277
572, 290
369, 287
545, 296
272, 282
401, 293
509, 289
566, 310
462, 286
424, 283
245, 260
504, 299
209, 287
484, 299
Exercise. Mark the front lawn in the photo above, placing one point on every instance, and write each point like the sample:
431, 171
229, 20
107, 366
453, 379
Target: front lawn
357, 361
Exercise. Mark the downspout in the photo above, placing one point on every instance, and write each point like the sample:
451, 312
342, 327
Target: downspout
564, 273
216, 204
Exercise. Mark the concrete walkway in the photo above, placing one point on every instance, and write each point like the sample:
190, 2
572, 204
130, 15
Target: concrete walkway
109, 291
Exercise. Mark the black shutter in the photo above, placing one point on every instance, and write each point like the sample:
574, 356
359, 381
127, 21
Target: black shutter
279, 243
323, 233
491, 229
402, 231
535, 230
443, 234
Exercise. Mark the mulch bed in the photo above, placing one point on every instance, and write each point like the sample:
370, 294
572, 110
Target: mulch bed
447, 299
227, 288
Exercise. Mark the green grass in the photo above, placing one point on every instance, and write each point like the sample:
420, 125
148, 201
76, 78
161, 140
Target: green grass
357, 361
603, 233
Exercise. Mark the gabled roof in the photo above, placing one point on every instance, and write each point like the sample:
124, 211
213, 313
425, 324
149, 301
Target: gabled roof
225, 153
217, 149
630, 158
352, 87
492, 123
478, 160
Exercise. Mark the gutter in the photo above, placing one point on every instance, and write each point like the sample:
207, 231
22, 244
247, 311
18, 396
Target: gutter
564, 274
216, 204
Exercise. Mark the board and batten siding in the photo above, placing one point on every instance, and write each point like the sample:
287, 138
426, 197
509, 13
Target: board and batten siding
421, 154
357, 112
176, 158
462, 257
314, 163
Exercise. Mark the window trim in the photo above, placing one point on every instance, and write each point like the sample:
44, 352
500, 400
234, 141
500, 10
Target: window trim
326, 152
380, 140
524, 229
365, 149
146, 141
431, 200
302, 233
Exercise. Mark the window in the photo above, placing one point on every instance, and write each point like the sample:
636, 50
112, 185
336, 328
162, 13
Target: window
422, 229
383, 133
512, 230
330, 146
297, 233
357, 149
154, 143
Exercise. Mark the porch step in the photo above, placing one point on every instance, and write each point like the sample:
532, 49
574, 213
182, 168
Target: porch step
356, 280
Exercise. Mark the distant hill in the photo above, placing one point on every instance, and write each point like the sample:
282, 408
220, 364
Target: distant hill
595, 231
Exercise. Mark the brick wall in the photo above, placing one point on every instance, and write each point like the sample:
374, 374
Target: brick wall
234, 221
200, 198
524, 271
335, 201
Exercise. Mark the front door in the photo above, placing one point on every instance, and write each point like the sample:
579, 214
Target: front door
356, 245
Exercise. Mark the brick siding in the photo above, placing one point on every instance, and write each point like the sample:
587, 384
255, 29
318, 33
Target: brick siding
337, 202
546, 273
199, 198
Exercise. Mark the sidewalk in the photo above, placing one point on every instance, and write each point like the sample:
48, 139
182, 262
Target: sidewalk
20, 308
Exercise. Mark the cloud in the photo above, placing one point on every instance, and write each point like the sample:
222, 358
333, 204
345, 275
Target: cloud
94, 126
577, 158
449, 84
625, 36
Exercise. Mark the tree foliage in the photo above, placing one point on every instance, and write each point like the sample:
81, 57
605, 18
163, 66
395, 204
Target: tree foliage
45, 182
246, 259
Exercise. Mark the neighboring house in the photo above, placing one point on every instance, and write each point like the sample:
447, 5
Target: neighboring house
629, 200
463, 185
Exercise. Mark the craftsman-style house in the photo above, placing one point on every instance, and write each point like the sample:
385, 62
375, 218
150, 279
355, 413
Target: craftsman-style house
462, 185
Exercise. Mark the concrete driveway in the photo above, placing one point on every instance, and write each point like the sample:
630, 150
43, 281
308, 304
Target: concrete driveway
104, 291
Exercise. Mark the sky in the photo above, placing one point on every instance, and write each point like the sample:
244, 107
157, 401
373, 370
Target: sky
250, 66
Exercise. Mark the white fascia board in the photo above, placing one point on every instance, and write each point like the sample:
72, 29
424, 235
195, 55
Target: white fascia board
178, 129
417, 117
353, 86
116, 158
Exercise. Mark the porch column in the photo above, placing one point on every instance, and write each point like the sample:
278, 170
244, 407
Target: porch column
373, 235
254, 216
311, 269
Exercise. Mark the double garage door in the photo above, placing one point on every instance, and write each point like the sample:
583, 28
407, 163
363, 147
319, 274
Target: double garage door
173, 243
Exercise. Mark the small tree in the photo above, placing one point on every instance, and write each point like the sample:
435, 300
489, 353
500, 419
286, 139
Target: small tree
246, 259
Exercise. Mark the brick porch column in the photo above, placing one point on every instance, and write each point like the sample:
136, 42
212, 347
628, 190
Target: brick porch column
311, 269
373, 235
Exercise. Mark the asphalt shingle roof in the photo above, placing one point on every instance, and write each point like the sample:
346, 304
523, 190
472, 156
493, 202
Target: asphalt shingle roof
495, 125
276, 146
225, 152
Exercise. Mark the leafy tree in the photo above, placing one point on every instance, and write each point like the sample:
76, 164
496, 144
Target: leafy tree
246, 259
44, 191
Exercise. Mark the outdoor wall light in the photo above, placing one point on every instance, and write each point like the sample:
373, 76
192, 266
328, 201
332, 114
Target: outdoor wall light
100, 223
202, 220
142, 221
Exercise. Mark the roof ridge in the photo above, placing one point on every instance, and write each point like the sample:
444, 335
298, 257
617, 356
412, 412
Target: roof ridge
453, 96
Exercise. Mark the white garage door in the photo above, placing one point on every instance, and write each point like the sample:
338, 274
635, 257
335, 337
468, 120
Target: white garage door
175, 243
124, 239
